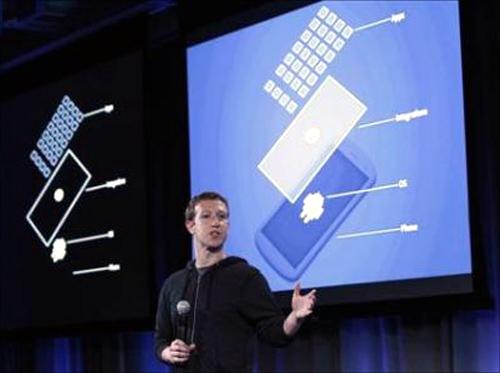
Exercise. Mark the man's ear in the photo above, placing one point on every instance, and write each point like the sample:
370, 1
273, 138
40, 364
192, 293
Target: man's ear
190, 225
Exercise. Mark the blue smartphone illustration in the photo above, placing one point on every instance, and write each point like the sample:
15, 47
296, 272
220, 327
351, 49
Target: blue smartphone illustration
286, 242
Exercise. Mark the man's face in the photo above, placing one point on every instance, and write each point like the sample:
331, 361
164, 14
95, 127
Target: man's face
210, 224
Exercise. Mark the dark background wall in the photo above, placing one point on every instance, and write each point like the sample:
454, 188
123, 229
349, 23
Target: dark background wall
425, 339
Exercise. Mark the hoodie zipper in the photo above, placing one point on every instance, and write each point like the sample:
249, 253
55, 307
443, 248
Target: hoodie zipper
198, 280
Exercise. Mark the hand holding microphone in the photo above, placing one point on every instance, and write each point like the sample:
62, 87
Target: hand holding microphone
178, 352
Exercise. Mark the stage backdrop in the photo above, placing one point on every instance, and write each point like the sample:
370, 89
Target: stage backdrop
460, 341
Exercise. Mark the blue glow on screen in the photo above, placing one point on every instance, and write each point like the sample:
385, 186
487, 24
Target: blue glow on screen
393, 67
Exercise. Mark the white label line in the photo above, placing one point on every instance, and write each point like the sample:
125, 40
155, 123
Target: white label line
110, 234
377, 123
395, 18
403, 117
403, 228
109, 184
110, 268
403, 183
106, 109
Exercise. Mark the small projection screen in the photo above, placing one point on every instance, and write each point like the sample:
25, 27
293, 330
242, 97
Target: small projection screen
73, 234
337, 133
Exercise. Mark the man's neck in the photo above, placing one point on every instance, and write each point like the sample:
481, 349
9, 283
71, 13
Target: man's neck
206, 258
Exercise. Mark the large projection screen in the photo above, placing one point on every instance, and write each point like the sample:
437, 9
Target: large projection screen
337, 133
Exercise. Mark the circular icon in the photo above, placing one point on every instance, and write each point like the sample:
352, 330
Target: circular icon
312, 135
59, 195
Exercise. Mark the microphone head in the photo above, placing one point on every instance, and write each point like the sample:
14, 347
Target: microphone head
183, 307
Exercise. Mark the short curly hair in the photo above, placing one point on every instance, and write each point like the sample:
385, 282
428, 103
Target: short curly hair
190, 213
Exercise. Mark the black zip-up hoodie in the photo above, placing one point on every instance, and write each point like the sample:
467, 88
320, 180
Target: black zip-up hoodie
230, 302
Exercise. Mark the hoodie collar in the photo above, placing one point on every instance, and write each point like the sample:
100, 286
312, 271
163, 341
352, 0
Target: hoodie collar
228, 261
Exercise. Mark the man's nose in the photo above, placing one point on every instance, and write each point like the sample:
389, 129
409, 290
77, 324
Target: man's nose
216, 221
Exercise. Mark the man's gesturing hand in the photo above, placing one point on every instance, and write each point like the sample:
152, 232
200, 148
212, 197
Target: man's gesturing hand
302, 305
177, 353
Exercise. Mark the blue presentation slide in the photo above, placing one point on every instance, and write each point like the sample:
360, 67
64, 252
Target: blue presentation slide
337, 133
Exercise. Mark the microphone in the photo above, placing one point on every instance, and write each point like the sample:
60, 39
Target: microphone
183, 308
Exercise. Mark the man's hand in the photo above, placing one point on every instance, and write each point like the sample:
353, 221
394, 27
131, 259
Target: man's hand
302, 305
177, 353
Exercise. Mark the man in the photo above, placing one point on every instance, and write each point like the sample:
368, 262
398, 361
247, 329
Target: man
229, 301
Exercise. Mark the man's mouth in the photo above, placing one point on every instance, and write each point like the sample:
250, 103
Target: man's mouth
215, 234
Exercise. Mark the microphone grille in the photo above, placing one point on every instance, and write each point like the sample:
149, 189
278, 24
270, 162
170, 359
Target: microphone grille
183, 307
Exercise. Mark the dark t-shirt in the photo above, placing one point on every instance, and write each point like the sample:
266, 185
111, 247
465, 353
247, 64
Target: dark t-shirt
203, 270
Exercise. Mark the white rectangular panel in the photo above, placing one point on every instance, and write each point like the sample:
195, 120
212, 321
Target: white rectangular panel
312, 137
